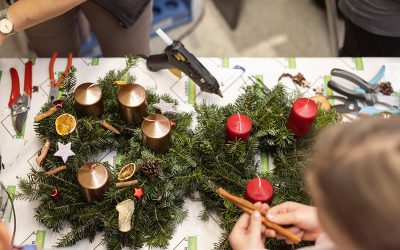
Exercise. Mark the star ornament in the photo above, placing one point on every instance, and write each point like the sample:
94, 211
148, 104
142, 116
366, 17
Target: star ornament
138, 193
165, 107
64, 151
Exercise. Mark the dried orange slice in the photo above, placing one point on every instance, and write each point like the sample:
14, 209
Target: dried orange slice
120, 83
127, 172
65, 124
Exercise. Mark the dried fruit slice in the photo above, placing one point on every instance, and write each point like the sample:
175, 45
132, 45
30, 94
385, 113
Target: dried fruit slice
127, 172
65, 124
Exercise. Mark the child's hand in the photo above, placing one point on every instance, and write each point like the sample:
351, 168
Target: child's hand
303, 218
249, 232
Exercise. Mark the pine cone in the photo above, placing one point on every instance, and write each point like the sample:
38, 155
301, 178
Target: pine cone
386, 88
151, 169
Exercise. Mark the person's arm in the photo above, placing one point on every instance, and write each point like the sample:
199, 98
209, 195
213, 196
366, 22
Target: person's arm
27, 13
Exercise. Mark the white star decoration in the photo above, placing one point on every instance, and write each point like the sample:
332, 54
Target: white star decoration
165, 107
64, 151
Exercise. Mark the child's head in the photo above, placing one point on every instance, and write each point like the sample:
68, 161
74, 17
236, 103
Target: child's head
355, 183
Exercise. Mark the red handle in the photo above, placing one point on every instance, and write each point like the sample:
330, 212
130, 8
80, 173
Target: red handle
51, 68
28, 79
14, 87
69, 64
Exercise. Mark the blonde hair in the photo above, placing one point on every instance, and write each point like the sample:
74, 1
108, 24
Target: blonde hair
356, 171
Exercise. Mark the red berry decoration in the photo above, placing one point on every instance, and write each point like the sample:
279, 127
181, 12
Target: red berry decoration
173, 124
55, 194
138, 193
58, 103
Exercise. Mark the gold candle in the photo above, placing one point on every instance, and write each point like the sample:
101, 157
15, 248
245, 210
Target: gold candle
156, 132
132, 103
88, 99
92, 178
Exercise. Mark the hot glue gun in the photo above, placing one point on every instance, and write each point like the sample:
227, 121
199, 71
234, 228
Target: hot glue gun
176, 56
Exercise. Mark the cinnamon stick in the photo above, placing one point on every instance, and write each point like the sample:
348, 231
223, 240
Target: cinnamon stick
126, 183
55, 171
43, 153
48, 113
248, 207
109, 127
237, 200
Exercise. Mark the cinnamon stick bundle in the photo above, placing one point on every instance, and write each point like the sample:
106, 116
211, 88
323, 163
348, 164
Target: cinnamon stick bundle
248, 207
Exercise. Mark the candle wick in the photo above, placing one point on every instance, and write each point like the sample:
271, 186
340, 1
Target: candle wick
308, 99
259, 181
240, 122
149, 120
92, 168
93, 84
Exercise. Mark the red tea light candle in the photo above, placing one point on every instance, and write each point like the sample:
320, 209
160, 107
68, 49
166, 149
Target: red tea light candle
259, 190
238, 126
302, 116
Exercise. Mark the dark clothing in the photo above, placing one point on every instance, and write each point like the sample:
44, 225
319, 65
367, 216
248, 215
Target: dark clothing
372, 28
359, 42
380, 17
125, 11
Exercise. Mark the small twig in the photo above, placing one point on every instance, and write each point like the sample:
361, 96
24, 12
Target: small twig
155, 213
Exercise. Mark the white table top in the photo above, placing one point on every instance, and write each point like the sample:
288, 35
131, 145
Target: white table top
19, 154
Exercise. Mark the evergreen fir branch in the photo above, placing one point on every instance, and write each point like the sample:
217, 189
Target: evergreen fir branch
88, 140
231, 166
198, 162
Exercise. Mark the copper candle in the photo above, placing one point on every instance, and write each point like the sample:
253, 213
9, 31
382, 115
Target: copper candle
156, 132
92, 178
132, 103
88, 99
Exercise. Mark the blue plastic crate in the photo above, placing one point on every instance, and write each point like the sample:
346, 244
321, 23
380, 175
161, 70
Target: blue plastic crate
168, 14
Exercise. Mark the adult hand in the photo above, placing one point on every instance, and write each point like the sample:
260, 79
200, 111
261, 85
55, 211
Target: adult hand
249, 232
302, 218
2, 39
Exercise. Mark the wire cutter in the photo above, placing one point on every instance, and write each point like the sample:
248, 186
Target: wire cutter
18, 103
55, 86
372, 95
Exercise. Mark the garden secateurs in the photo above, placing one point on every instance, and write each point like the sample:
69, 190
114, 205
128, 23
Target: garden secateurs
20, 104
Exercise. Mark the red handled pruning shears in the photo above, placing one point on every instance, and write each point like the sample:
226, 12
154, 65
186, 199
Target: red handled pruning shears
55, 86
18, 103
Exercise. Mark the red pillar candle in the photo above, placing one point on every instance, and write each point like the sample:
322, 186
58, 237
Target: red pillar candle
238, 126
259, 189
302, 116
